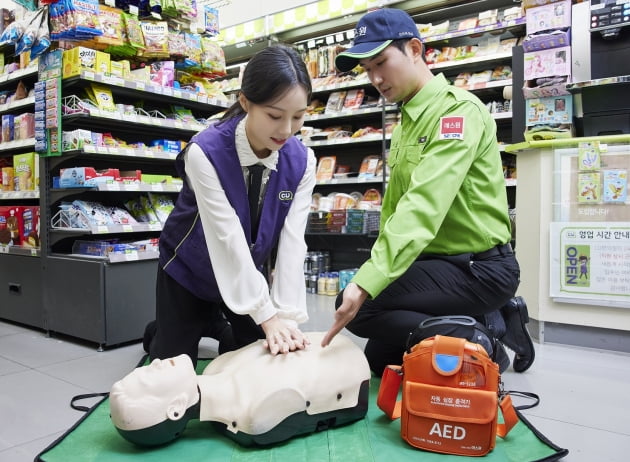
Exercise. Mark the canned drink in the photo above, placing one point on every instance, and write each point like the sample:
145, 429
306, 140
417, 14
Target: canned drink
326, 257
307, 263
312, 286
315, 260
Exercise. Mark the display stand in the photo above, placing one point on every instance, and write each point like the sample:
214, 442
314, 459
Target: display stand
562, 316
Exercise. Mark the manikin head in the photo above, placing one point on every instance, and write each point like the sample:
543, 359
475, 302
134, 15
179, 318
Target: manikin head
153, 403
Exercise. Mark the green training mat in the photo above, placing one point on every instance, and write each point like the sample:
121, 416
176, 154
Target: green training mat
376, 438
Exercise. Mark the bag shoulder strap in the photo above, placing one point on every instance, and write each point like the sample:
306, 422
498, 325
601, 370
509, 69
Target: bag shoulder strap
388, 392
388, 403
509, 416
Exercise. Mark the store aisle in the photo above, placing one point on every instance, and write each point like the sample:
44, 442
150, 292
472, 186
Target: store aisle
584, 405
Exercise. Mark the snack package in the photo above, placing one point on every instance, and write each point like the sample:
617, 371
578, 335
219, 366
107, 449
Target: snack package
155, 39
111, 25
24, 171
335, 102
162, 205
326, 168
354, 99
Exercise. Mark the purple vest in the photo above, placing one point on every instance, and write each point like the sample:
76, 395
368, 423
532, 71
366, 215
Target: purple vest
183, 251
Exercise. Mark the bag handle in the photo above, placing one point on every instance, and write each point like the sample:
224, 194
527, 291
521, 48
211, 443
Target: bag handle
392, 381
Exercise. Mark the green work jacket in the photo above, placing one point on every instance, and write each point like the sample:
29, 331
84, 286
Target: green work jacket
446, 193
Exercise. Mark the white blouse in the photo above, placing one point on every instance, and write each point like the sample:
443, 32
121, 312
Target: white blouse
243, 288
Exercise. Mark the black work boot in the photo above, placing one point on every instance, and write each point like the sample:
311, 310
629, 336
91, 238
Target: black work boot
517, 336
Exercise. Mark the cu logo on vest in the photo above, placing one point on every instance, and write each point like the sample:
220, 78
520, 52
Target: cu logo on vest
285, 195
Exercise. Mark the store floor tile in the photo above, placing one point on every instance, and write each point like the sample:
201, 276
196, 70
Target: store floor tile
583, 406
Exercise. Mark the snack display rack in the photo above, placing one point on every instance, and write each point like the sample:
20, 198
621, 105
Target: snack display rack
20, 267
118, 286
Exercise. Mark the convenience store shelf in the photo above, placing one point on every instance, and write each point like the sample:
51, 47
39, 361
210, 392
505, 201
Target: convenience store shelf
17, 104
346, 140
351, 112
165, 95
16, 145
11, 195
18, 250
501, 25
486, 59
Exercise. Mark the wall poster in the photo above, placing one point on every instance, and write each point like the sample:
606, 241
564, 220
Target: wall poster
590, 233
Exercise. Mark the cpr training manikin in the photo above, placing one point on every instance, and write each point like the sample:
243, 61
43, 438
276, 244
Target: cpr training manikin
250, 395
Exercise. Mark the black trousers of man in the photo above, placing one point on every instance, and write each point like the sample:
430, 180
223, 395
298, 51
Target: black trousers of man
467, 284
182, 319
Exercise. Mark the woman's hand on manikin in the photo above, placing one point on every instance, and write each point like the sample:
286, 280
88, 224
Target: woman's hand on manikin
282, 337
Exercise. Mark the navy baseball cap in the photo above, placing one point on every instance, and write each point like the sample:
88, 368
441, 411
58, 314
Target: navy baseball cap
374, 32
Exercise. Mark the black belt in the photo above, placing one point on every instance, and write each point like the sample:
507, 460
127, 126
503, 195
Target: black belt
496, 251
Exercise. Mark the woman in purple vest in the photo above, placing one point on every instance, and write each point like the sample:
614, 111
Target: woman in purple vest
214, 244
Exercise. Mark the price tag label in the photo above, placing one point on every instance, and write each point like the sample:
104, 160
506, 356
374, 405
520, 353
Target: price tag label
102, 229
132, 255
127, 228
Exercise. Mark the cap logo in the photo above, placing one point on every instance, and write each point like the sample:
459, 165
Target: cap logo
360, 31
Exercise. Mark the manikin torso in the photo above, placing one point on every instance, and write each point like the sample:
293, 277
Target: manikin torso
252, 391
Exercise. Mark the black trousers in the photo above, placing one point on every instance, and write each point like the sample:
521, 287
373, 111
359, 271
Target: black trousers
182, 319
432, 286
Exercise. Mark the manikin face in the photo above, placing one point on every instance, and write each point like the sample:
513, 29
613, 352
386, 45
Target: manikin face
393, 74
271, 124
148, 395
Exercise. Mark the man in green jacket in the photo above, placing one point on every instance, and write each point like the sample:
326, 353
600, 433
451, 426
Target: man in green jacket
443, 247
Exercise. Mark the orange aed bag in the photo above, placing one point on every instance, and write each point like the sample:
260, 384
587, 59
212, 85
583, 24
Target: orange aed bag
450, 397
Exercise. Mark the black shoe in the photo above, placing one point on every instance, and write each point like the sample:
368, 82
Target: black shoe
517, 336
149, 333
500, 357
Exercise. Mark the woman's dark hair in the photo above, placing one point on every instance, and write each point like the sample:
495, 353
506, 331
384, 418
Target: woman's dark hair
268, 75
